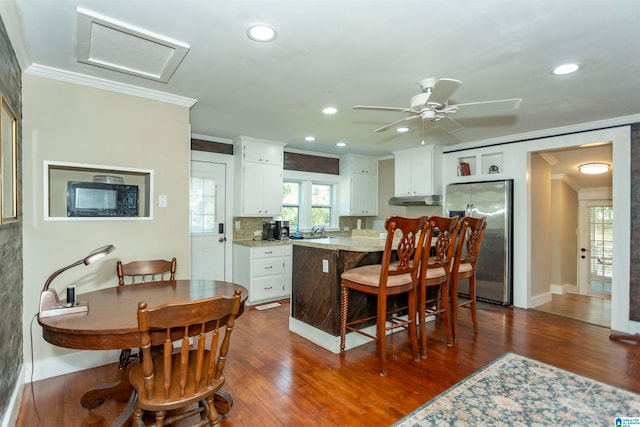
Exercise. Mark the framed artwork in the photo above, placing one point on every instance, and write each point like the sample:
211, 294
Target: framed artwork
8, 163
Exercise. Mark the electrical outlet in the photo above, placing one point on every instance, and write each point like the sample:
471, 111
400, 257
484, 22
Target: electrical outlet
345, 228
237, 225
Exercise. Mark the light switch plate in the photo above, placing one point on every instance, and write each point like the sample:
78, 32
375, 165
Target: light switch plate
162, 201
325, 265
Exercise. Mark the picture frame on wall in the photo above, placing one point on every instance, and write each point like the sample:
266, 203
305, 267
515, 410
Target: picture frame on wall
8, 163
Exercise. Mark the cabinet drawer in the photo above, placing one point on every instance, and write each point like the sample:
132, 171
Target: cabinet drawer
268, 251
267, 266
266, 288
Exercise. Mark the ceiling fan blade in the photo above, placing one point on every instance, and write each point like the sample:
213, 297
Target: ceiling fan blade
376, 108
442, 91
449, 124
488, 106
385, 127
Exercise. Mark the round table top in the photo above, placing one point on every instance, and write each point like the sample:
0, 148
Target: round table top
112, 323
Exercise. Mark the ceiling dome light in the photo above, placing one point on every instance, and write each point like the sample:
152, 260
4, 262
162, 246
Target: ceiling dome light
403, 129
261, 33
309, 138
341, 144
593, 168
329, 110
566, 69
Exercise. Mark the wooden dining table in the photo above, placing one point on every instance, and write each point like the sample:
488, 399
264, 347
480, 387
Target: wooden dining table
111, 323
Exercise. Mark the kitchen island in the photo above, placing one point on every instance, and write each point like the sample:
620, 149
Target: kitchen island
315, 294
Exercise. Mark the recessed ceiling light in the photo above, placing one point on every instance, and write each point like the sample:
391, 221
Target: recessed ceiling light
329, 110
261, 33
309, 138
566, 69
341, 144
593, 168
403, 129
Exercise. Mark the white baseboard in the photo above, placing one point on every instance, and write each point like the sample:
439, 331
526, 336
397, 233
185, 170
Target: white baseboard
68, 363
10, 416
563, 289
539, 300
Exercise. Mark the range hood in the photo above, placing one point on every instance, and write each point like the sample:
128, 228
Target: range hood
433, 200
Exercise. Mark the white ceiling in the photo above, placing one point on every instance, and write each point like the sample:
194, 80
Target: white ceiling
373, 52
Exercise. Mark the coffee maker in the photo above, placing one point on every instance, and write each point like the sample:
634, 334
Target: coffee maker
282, 230
269, 231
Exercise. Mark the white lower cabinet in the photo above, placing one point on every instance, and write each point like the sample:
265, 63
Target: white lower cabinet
264, 270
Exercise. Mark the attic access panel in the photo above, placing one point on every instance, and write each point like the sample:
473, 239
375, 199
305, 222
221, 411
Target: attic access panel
114, 45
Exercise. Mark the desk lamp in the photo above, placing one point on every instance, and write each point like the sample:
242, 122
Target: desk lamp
50, 304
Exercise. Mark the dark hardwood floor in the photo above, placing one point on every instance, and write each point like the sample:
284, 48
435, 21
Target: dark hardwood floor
590, 309
277, 378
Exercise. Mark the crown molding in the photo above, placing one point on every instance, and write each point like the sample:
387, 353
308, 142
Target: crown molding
104, 84
567, 180
12, 21
548, 133
549, 158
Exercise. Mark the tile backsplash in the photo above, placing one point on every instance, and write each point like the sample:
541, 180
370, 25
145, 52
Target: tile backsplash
247, 227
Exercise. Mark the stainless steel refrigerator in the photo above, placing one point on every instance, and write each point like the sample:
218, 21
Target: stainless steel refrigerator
494, 200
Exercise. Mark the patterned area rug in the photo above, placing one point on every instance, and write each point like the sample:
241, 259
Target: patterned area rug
515, 390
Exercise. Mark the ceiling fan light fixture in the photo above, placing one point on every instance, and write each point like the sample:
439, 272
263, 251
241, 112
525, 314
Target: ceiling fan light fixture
261, 33
403, 129
566, 69
593, 168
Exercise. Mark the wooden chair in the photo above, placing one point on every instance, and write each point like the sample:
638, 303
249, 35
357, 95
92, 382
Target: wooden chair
464, 267
140, 271
171, 381
383, 280
433, 290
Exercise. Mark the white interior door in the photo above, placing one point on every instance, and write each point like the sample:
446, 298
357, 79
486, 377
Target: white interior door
596, 248
207, 220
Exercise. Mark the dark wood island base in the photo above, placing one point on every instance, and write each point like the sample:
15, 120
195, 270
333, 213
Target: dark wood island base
315, 294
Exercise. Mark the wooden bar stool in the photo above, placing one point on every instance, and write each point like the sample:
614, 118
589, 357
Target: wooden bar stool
434, 274
383, 280
464, 267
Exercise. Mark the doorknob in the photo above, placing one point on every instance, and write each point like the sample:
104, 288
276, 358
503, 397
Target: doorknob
222, 239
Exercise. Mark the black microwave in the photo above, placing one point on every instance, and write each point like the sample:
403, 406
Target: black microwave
101, 199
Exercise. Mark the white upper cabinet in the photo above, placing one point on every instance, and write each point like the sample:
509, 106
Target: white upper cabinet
258, 176
359, 186
260, 152
418, 171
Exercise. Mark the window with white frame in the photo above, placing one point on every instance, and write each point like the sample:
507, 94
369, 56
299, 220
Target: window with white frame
307, 204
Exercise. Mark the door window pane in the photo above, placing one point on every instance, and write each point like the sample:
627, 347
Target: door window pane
202, 205
601, 248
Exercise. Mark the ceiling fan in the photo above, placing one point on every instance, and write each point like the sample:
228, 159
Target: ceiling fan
432, 104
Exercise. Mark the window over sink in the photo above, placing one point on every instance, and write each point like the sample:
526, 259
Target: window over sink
307, 204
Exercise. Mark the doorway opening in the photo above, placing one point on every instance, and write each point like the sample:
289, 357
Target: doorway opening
581, 225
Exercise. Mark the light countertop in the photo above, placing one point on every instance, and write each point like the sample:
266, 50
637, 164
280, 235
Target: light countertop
259, 243
345, 243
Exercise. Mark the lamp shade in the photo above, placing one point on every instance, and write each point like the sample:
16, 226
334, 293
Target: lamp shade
593, 168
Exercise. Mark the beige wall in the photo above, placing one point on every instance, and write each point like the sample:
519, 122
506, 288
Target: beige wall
65, 122
541, 225
564, 238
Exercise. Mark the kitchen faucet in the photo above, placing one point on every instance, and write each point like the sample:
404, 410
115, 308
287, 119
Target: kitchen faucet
317, 228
